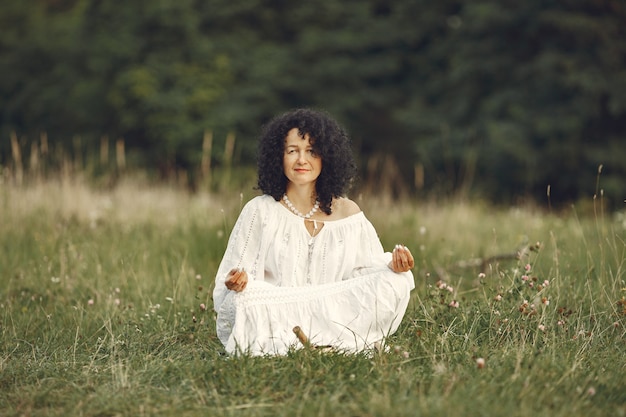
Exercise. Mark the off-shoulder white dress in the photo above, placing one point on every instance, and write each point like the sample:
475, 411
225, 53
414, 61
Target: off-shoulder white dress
336, 286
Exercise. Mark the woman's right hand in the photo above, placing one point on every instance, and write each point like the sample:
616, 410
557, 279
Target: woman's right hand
237, 279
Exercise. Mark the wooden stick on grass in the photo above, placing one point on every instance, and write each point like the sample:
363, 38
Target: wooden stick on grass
301, 336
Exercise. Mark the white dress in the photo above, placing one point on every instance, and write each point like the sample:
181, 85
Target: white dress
336, 286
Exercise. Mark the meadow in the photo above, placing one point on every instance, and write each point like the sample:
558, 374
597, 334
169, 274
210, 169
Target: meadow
105, 310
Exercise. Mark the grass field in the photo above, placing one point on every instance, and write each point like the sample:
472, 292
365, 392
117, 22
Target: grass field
105, 310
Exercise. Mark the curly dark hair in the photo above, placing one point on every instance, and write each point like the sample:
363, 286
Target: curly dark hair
329, 141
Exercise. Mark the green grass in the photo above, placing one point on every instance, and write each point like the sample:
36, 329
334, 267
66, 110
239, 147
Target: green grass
101, 294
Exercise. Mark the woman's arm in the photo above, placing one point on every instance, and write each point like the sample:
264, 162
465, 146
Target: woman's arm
239, 260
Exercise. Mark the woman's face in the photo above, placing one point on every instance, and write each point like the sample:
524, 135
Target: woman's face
300, 162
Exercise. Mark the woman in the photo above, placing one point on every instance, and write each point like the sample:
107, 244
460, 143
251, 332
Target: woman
304, 255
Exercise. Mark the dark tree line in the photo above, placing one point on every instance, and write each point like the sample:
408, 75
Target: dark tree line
499, 98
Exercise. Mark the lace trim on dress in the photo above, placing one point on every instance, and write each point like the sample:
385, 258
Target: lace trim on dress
248, 235
286, 295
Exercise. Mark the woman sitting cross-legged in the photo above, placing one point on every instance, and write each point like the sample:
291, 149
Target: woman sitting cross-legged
302, 254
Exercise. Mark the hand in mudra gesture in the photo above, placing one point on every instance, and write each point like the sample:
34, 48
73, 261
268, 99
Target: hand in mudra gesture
401, 259
237, 279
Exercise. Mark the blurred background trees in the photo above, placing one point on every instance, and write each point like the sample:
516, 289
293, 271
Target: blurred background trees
496, 99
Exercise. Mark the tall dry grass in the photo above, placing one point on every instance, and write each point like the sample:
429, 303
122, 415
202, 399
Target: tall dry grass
105, 309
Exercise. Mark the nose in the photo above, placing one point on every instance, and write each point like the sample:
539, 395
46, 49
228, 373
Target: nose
302, 157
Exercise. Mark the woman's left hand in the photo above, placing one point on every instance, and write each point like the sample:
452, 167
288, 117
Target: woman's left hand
401, 259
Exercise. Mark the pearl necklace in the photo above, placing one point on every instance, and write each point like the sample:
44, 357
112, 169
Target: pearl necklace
297, 212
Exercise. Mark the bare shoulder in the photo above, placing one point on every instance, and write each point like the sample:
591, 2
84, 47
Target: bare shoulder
344, 207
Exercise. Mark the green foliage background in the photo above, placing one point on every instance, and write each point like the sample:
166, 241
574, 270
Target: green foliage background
497, 98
